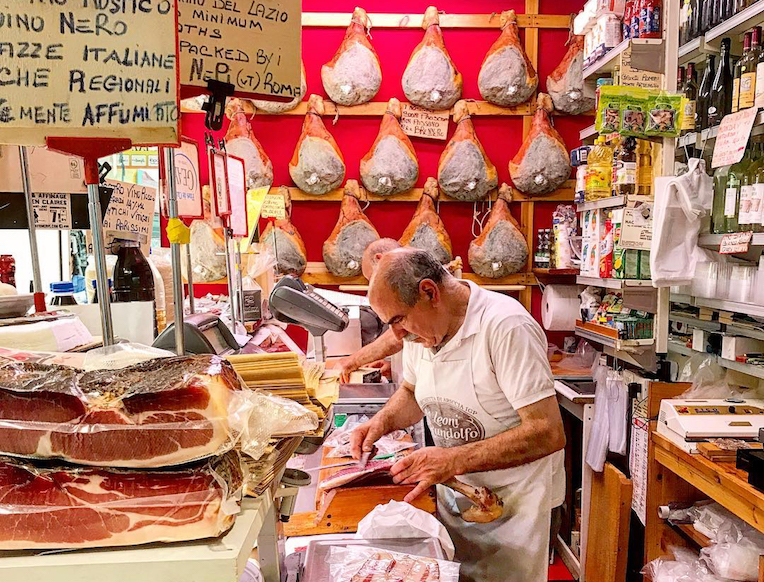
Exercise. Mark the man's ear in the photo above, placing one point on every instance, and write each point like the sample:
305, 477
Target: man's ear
428, 289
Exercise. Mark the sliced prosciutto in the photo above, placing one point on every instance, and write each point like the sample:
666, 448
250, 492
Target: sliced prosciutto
52, 506
431, 79
566, 83
240, 141
391, 164
426, 230
317, 165
286, 244
353, 76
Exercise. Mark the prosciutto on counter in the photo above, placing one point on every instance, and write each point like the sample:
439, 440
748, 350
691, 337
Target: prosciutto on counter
391, 164
431, 79
354, 75
464, 170
286, 244
344, 248
426, 230
566, 83
507, 77
240, 141
158, 413
317, 165
542, 165
47, 506
501, 249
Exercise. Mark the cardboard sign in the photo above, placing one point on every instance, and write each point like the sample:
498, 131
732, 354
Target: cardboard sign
255, 45
734, 131
273, 207
49, 172
187, 186
637, 228
735, 242
219, 181
52, 210
131, 210
419, 122
74, 68
631, 76
255, 199
237, 189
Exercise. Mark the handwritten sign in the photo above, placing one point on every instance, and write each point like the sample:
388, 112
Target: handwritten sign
219, 180
419, 122
131, 210
637, 228
49, 171
632, 76
237, 189
735, 242
255, 199
732, 138
77, 68
187, 185
273, 207
255, 45
52, 210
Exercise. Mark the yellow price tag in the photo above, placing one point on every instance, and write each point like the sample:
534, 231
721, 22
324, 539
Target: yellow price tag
177, 232
255, 198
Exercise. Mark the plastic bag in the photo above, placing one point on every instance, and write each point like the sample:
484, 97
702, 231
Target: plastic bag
116, 507
399, 520
735, 555
633, 112
365, 563
707, 377
665, 114
685, 567
121, 355
608, 119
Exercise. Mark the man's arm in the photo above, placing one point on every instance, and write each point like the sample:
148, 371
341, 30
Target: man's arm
401, 411
539, 434
385, 345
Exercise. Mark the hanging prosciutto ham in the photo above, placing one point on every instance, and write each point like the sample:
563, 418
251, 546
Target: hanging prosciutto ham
317, 166
542, 165
343, 250
426, 230
391, 165
501, 249
240, 141
353, 76
464, 170
282, 238
566, 83
507, 77
431, 79
273, 107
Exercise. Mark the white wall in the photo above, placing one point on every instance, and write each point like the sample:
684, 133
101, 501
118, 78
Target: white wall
16, 243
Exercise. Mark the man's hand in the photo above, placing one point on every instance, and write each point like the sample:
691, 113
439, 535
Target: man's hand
347, 366
364, 436
425, 467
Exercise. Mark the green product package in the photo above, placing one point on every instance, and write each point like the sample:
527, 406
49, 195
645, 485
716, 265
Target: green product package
631, 264
644, 265
608, 118
634, 109
665, 115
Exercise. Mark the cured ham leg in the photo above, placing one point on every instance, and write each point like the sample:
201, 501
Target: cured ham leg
317, 165
343, 250
542, 165
507, 76
285, 242
431, 79
241, 142
426, 230
488, 507
501, 249
353, 76
391, 165
279, 107
566, 83
464, 170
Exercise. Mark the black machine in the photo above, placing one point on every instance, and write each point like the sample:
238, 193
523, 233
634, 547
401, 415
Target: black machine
292, 301
203, 333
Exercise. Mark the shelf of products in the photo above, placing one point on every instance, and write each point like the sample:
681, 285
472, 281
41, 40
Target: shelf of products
745, 331
610, 202
611, 342
689, 531
677, 347
607, 62
735, 26
712, 241
731, 306
587, 133
695, 322
613, 283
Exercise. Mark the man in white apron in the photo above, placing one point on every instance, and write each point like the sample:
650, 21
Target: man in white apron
475, 364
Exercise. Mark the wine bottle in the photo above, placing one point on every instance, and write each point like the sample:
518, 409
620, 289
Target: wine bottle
748, 65
732, 192
748, 190
718, 221
738, 72
690, 91
704, 92
720, 101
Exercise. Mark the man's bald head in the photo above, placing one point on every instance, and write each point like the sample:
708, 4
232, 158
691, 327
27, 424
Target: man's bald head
374, 252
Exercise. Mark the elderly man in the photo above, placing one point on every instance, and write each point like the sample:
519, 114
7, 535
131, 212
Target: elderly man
475, 364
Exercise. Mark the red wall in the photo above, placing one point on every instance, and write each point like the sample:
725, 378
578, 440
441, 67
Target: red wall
501, 136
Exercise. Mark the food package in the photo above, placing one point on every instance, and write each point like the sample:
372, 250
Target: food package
353, 563
62, 506
608, 118
633, 111
665, 114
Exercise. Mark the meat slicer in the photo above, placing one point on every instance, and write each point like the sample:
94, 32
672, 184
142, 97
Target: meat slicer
292, 301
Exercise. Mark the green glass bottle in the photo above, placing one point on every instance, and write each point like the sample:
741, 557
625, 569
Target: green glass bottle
748, 189
732, 192
718, 223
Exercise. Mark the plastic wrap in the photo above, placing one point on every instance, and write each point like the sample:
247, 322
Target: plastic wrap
121, 355
685, 567
363, 563
81, 507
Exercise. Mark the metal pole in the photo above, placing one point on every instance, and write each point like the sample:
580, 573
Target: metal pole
36, 279
190, 280
229, 275
102, 280
239, 279
177, 280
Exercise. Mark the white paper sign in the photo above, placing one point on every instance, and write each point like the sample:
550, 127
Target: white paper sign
48, 171
732, 139
637, 228
130, 210
237, 190
219, 179
735, 242
273, 207
187, 185
52, 210
420, 122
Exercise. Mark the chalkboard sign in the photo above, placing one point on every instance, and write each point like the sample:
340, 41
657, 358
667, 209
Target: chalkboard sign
89, 68
254, 45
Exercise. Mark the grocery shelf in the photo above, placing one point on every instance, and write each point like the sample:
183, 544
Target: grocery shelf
712, 241
745, 331
695, 322
609, 60
587, 331
677, 347
735, 26
732, 306
539, 272
695, 51
613, 283
587, 132
687, 140
610, 202
681, 298
708, 135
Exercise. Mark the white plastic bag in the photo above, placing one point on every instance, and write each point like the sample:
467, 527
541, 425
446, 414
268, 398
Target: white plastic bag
685, 567
735, 555
680, 205
399, 520
121, 355
364, 563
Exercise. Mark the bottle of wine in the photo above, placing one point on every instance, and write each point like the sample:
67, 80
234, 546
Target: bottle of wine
690, 91
748, 65
738, 72
720, 101
704, 92
732, 192
695, 18
757, 203
718, 221
748, 190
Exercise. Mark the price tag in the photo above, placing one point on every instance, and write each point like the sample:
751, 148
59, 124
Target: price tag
52, 210
419, 122
732, 138
273, 207
735, 242
255, 199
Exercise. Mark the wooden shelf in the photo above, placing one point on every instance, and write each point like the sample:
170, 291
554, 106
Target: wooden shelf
693, 535
383, 20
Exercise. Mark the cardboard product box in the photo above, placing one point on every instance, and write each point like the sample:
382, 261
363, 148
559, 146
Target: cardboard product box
699, 340
733, 346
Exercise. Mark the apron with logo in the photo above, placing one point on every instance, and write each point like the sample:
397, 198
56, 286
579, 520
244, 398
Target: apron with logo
514, 548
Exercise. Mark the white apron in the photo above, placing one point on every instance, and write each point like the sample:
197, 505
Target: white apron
514, 548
